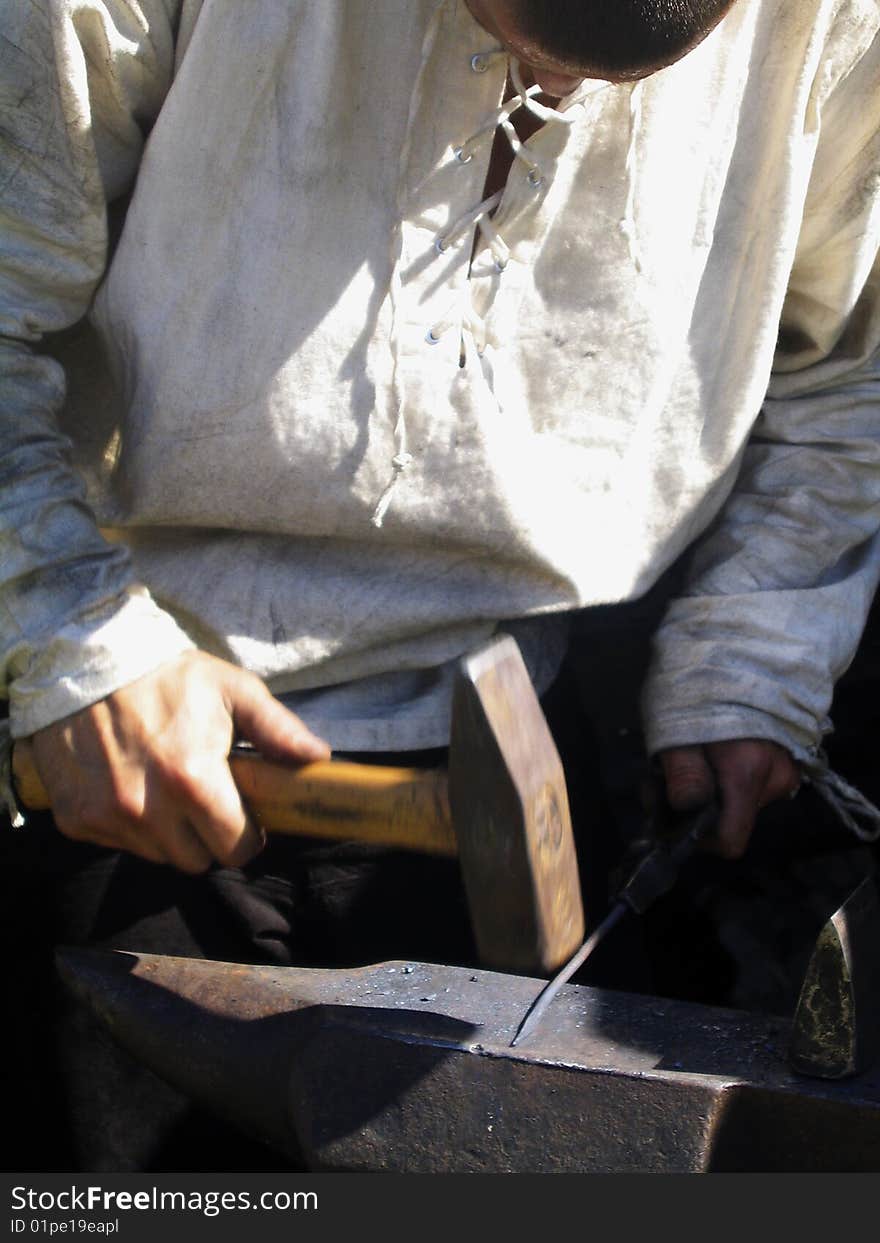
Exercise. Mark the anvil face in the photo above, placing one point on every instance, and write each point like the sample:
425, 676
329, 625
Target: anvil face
407, 1067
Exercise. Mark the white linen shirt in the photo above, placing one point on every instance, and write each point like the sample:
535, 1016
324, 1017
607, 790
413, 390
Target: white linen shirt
670, 327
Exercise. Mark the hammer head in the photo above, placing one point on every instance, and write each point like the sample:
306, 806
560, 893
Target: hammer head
511, 814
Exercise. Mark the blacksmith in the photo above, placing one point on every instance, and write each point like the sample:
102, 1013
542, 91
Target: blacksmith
428, 318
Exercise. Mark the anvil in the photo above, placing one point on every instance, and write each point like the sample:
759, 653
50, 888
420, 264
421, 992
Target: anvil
407, 1067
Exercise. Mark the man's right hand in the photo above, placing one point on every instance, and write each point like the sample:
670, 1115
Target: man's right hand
145, 770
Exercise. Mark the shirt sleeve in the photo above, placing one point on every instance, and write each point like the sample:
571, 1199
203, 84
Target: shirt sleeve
80, 84
778, 590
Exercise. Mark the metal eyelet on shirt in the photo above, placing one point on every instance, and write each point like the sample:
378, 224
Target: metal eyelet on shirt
431, 338
535, 178
462, 156
479, 62
441, 245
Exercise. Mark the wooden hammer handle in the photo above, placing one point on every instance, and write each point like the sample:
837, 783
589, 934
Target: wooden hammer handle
407, 808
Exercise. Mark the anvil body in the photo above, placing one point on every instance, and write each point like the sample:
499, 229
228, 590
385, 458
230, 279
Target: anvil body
407, 1067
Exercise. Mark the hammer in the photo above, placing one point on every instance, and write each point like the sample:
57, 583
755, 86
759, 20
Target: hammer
502, 807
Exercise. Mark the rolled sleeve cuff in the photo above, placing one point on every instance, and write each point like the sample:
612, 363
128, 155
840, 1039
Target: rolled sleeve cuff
722, 724
86, 661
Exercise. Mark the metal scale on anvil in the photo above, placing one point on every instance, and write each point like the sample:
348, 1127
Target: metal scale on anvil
412, 1067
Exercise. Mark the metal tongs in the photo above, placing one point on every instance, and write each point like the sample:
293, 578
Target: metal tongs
653, 876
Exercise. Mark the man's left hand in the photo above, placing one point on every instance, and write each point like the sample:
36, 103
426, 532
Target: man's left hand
744, 774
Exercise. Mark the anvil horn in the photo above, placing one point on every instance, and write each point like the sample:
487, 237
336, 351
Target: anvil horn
224, 1036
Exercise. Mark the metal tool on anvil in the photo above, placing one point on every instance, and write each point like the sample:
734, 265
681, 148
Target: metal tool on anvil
836, 1029
407, 1067
502, 808
655, 875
